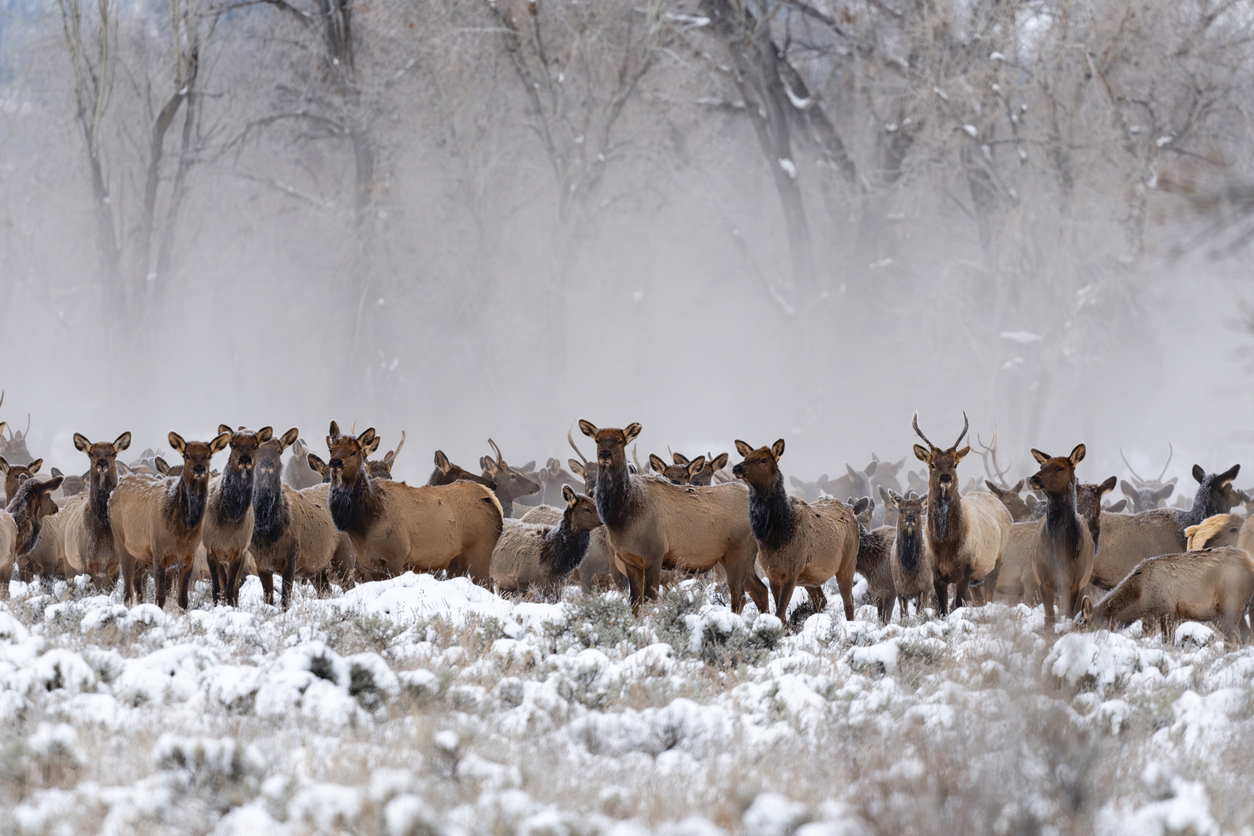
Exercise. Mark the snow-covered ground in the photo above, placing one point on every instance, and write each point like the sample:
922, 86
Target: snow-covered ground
419, 706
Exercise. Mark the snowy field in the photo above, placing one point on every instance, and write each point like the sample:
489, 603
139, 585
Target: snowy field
418, 706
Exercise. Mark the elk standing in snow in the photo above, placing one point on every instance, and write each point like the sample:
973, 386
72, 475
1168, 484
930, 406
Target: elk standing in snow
1063, 562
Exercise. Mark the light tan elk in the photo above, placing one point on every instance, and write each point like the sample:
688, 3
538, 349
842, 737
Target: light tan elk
396, 527
965, 535
653, 524
161, 519
229, 515
1215, 532
798, 542
542, 556
511, 482
1211, 585
911, 564
598, 569
446, 473
293, 534
21, 522
677, 474
1063, 562
1127, 539
16, 474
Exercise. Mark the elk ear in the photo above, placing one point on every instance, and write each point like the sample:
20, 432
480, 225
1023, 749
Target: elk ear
316, 464
81, 443
441, 461
34, 466
900, 464
1077, 455
743, 448
587, 428
334, 432
656, 463
1030, 500
1106, 487
1228, 475
220, 443
528, 467
119, 444
367, 438
575, 467
159, 464
265, 434
569, 495
1127, 489
993, 489
860, 505
777, 449
892, 498
962, 454
921, 453
718, 462
370, 448
223, 428
288, 439
680, 459
696, 466
633, 429
56, 472
1117, 507
4, 465
870, 468
1040, 457
176, 442
1198, 473
51, 485
1164, 493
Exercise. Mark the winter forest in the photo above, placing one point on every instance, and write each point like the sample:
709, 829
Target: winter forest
804, 220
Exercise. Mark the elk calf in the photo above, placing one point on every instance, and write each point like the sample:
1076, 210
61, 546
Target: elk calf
875, 563
1211, 585
1063, 561
21, 522
161, 519
910, 562
798, 542
529, 555
598, 569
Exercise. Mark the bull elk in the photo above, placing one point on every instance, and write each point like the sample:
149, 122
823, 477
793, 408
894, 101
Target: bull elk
21, 521
511, 482
293, 534
1063, 562
542, 556
396, 527
798, 542
229, 516
652, 523
965, 534
1148, 494
14, 448
383, 469
161, 519
1212, 585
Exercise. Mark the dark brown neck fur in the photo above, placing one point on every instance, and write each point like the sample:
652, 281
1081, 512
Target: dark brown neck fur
354, 506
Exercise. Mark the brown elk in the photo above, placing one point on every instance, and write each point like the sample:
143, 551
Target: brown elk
652, 523
85, 528
1215, 532
1127, 539
161, 519
909, 560
16, 474
541, 556
678, 474
1063, 562
511, 482
885, 476
297, 472
965, 534
711, 470
1010, 497
598, 569
1148, 494
21, 522
445, 473
1211, 585
383, 469
293, 534
229, 515
71, 485
396, 528
875, 564
798, 542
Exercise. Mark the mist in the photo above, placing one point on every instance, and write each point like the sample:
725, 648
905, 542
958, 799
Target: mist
470, 220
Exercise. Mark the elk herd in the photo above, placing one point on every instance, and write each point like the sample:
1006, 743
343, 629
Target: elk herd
611, 522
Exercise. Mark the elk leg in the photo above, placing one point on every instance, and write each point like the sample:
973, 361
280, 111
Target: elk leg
214, 584
783, 594
942, 598
818, 600
886, 609
962, 593
159, 574
989, 584
652, 579
267, 585
128, 579
185, 578
289, 576
232, 580
735, 583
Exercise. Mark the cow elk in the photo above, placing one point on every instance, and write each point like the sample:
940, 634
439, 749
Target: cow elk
712, 469
1215, 532
84, 529
598, 569
798, 542
1011, 498
16, 474
1063, 562
652, 523
229, 515
965, 534
808, 491
161, 519
678, 474
396, 527
541, 556
875, 564
21, 522
445, 473
910, 562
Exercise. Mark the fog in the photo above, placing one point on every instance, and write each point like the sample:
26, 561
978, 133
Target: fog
467, 220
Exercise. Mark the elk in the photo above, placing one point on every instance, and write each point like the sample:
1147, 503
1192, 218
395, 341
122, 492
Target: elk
553, 478
809, 491
73, 484
16, 474
445, 473
21, 522
85, 528
511, 482
161, 519
863, 510
229, 516
885, 476
1211, 585
1215, 532
711, 471
1018, 508
1063, 563
853, 483
1127, 539
1148, 494
875, 563
584, 469
678, 474
652, 523
965, 535
396, 527
297, 472
798, 542
293, 533
909, 560
14, 448
530, 555
598, 568
1116, 507
383, 469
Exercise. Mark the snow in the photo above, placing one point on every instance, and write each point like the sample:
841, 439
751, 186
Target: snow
789, 168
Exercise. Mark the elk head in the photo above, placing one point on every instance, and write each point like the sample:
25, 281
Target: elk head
1015, 504
678, 474
910, 511
197, 455
511, 482
942, 465
760, 467
244, 446
15, 449
1057, 474
269, 456
102, 458
581, 509
347, 456
611, 443
16, 474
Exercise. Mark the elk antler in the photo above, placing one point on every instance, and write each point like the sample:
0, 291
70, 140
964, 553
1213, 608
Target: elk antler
1140, 483
966, 425
997, 474
499, 459
639, 469
388, 458
915, 424
578, 452
1171, 451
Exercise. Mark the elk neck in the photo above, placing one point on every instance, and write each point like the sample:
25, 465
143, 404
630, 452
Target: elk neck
1205, 504
270, 511
617, 495
236, 492
770, 514
1062, 524
944, 515
187, 500
98, 492
909, 547
564, 549
354, 506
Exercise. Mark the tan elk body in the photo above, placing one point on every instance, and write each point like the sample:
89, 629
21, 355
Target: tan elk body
909, 560
1063, 561
21, 523
1215, 532
229, 513
542, 556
